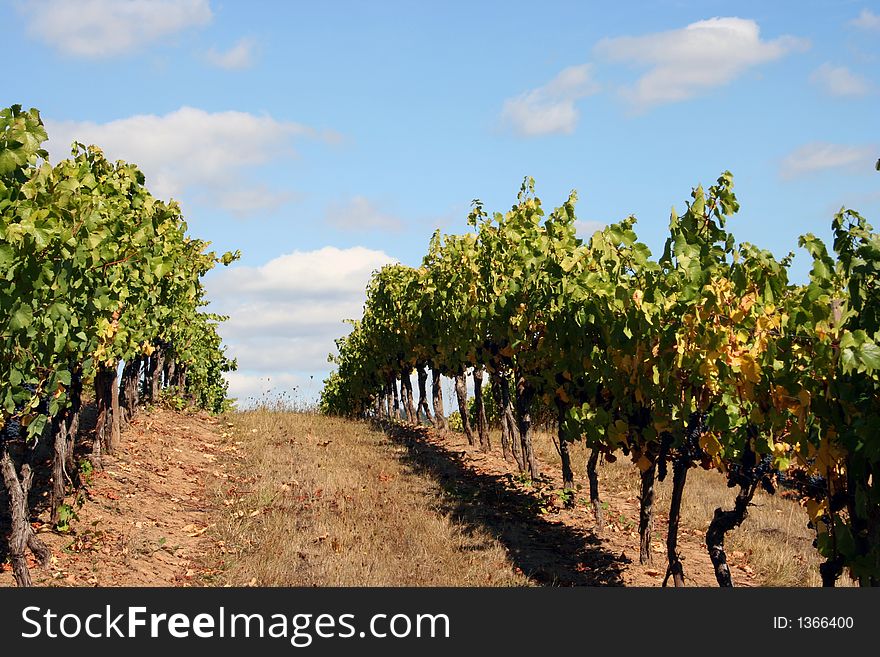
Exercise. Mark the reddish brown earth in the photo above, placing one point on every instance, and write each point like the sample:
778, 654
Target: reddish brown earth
145, 516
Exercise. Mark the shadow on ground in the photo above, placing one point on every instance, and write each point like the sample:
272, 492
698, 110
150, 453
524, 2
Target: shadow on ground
550, 553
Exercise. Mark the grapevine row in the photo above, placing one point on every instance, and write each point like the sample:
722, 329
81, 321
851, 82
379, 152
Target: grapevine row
96, 274
704, 357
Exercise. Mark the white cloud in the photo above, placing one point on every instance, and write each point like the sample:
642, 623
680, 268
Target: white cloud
550, 109
821, 156
361, 214
585, 228
240, 56
103, 28
686, 62
285, 314
192, 152
867, 20
839, 81
270, 353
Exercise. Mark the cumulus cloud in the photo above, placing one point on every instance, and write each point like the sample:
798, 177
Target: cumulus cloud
273, 354
839, 81
686, 62
822, 156
550, 109
285, 314
191, 151
867, 20
104, 28
240, 56
360, 214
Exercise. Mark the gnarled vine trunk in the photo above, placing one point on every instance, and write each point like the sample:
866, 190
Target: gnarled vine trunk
60, 427
593, 477
564, 456
646, 513
21, 536
107, 404
422, 408
128, 389
406, 390
525, 394
495, 385
461, 395
153, 380
169, 370
722, 522
437, 395
679, 478
480, 411
65, 428
680, 466
508, 418
180, 381
395, 398
404, 402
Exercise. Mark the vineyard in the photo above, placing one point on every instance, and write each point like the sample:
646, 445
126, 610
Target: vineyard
706, 357
100, 287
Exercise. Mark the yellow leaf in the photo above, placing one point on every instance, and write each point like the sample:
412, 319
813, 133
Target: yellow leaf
644, 463
815, 510
781, 448
710, 444
750, 369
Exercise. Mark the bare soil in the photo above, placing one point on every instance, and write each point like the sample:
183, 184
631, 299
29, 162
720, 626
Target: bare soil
144, 518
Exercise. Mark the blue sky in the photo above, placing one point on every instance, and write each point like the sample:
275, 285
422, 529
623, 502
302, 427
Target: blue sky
324, 139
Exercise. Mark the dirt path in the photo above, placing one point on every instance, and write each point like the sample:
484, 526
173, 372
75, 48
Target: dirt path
149, 517
144, 519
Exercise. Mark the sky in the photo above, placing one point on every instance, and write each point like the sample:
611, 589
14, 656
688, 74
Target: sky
327, 139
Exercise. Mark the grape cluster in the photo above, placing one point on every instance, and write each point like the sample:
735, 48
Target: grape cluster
807, 484
749, 471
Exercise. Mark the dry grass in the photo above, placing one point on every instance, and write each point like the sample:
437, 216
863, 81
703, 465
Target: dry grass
331, 503
774, 539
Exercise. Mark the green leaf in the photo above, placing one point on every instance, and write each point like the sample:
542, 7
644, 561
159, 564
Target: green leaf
21, 318
869, 354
